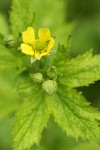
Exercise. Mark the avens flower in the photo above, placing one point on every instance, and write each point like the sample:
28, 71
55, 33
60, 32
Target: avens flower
37, 47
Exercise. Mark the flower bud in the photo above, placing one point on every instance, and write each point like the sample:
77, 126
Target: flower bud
49, 86
51, 72
37, 77
10, 41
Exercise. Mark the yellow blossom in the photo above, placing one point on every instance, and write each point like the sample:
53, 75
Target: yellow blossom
37, 47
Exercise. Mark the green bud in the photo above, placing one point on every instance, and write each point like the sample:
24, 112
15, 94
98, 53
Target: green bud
49, 86
37, 77
10, 41
51, 72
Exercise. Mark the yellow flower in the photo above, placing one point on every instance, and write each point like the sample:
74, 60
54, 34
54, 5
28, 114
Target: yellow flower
37, 47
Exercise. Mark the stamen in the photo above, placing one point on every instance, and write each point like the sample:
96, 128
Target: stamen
39, 45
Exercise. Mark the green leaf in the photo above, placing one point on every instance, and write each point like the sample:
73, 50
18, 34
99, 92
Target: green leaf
75, 115
1, 39
30, 121
62, 53
8, 102
24, 86
4, 26
80, 71
22, 15
11, 60
86, 145
7, 59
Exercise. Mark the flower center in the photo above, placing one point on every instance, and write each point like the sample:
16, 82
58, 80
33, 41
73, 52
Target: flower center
40, 45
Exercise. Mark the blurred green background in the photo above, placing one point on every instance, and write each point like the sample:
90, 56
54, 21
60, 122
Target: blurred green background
81, 19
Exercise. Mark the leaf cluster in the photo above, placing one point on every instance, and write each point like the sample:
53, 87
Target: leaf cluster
51, 92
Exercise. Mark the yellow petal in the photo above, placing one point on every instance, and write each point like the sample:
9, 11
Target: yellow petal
26, 49
51, 44
44, 34
43, 54
28, 35
39, 55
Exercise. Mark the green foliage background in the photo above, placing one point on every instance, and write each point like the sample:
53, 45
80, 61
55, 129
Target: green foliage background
80, 19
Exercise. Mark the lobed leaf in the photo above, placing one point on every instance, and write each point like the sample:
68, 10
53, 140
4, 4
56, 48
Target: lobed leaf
30, 121
75, 115
80, 71
22, 15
